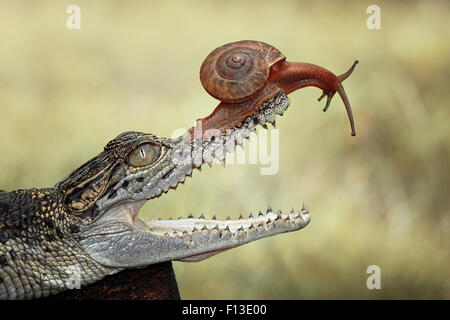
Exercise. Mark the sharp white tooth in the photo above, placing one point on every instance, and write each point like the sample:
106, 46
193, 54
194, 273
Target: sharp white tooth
197, 160
278, 110
207, 156
219, 153
274, 124
269, 115
239, 137
229, 145
245, 132
165, 187
260, 118
175, 183
249, 122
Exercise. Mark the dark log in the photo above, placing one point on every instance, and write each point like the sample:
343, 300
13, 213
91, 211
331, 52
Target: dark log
155, 282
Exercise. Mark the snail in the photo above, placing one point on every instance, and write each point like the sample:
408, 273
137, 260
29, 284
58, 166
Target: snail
244, 74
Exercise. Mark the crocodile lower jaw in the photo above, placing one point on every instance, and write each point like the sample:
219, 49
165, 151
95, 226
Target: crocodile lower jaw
251, 228
186, 227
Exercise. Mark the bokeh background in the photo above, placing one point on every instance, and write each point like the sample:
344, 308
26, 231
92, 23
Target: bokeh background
380, 198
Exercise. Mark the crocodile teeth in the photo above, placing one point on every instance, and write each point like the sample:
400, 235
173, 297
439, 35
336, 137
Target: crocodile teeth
193, 153
187, 226
274, 124
269, 115
219, 153
261, 119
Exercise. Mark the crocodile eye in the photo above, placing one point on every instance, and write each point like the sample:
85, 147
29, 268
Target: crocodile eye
144, 155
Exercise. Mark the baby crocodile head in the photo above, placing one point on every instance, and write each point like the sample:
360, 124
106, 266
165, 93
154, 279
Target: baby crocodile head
107, 192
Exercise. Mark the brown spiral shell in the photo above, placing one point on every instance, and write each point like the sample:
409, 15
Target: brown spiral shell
235, 71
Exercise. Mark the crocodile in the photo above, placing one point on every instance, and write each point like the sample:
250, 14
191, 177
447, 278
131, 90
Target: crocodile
87, 226
88, 222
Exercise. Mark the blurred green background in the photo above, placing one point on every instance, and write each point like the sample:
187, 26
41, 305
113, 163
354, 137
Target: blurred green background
380, 198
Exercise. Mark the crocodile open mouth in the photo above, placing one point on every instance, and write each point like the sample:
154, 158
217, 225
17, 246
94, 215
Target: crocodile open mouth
139, 243
253, 227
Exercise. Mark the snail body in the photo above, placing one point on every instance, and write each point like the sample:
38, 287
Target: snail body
244, 74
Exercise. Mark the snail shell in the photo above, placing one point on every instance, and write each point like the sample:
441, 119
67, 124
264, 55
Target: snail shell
235, 71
